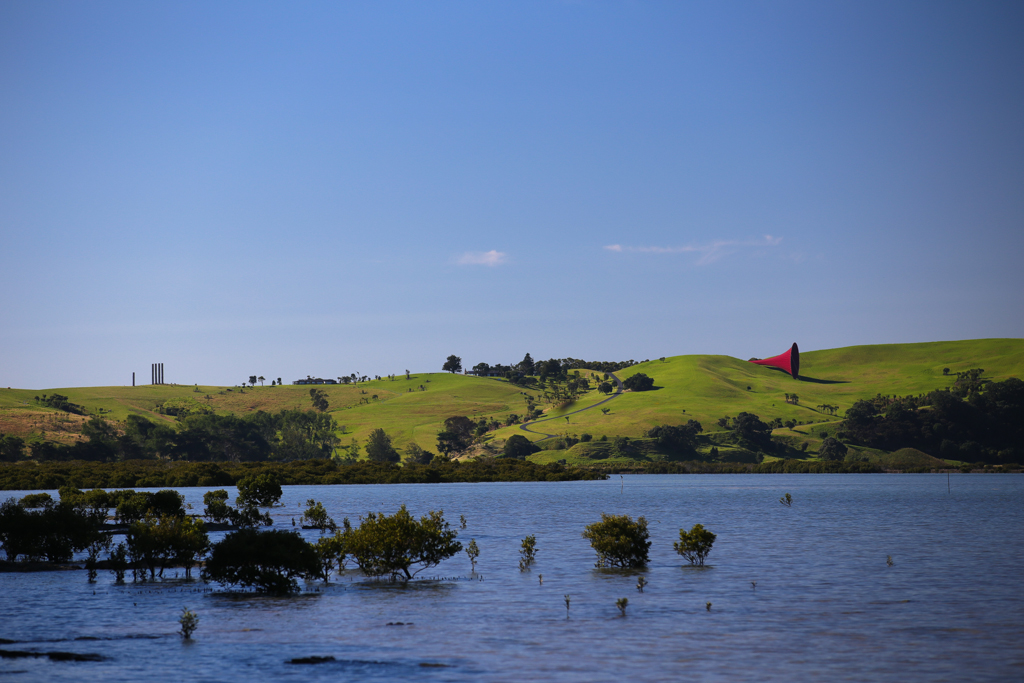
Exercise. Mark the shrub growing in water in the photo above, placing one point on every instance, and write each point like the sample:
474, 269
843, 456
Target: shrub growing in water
189, 623
391, 546
528, 551
259, 490
36, 501
266, 560
619, 541
54, 533
160, 542
695, 544
217, 508
316, 517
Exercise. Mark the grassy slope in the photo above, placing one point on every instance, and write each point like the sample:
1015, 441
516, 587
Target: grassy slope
709, 387
405, 415
704, 388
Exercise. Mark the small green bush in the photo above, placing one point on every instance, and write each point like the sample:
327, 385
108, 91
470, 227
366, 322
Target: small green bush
695, 544
619, 541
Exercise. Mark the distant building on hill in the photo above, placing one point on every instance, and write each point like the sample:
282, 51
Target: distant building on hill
315, 380
492, 372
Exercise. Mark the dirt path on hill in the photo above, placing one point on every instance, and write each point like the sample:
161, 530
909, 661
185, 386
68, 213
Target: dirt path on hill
526, 425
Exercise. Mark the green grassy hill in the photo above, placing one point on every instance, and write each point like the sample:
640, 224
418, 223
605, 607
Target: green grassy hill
401, 407
703, 388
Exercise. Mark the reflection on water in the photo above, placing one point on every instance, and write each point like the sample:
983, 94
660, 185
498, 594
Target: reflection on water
825, 605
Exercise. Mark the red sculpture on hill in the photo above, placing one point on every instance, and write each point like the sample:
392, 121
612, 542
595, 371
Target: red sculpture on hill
788, 361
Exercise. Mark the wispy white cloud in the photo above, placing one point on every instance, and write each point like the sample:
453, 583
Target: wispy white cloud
482, 258
710, 252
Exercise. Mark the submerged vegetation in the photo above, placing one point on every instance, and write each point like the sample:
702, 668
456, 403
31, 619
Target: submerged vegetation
695, 544
619, 541
399, 546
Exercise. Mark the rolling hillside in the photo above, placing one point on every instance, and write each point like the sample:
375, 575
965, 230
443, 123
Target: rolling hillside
703, 388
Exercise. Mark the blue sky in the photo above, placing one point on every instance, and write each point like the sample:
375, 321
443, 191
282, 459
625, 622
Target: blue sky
287, 189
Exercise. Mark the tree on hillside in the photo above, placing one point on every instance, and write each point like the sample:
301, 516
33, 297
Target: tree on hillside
639, 382
456, 436
518, 446
12, 448
548, 368
453, 364
832, 449
252, 380
677, 439
379, 448
750, 428
261, 378
278, 381
319, 399
413, 453
605, 387
526, 365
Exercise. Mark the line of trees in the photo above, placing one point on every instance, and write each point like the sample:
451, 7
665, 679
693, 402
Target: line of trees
155, 473
199, 437
554, 368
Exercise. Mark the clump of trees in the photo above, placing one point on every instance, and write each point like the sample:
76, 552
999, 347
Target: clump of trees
200, 437
269, 561
518, 446
379, 448
639, 382
832, 449
677, 438
319, 400
457, 435
60, 402
53, 532
12, 448
155, 543
417, 455
974, 420
254, 492
750, 431
619, 541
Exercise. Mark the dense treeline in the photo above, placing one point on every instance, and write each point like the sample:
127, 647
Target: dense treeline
774, 467
527, 369
148, 473
200, 437
974, 421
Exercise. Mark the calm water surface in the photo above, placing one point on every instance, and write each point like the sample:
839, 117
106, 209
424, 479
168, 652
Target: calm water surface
826, 605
